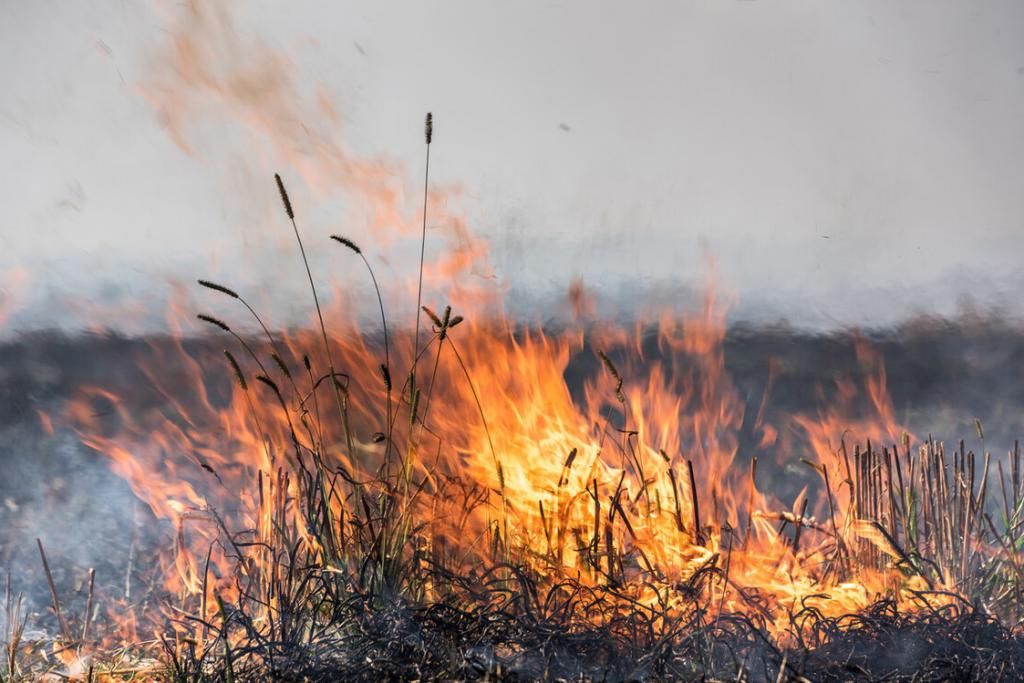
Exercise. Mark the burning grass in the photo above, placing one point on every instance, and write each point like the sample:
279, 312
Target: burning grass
443, 506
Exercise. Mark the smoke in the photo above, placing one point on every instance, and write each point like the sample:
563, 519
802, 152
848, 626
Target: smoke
867, 173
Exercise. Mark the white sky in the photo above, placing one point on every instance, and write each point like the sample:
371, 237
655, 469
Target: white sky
845, 162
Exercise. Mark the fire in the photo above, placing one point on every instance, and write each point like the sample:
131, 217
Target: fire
631, 485
636, 485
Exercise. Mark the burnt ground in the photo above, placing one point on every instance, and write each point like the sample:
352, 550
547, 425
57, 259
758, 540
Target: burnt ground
941, 375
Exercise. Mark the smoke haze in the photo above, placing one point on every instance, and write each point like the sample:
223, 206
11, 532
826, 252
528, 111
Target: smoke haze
844, 163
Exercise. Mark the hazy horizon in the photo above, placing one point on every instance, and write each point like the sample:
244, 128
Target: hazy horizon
843, 163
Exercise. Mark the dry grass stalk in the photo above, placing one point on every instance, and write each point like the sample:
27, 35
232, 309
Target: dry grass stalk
64, 630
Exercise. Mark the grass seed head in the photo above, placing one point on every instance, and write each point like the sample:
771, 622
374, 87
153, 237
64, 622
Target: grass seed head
239, 377
433, 316
615, 375
219, 288
214, 321
284, 197
272, 386
347, 242
414, 408
281, 364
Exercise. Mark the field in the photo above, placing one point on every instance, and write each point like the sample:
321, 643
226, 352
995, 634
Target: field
506, 619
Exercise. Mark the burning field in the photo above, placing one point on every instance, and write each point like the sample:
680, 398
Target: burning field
413, 480
470, 497
515, 503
